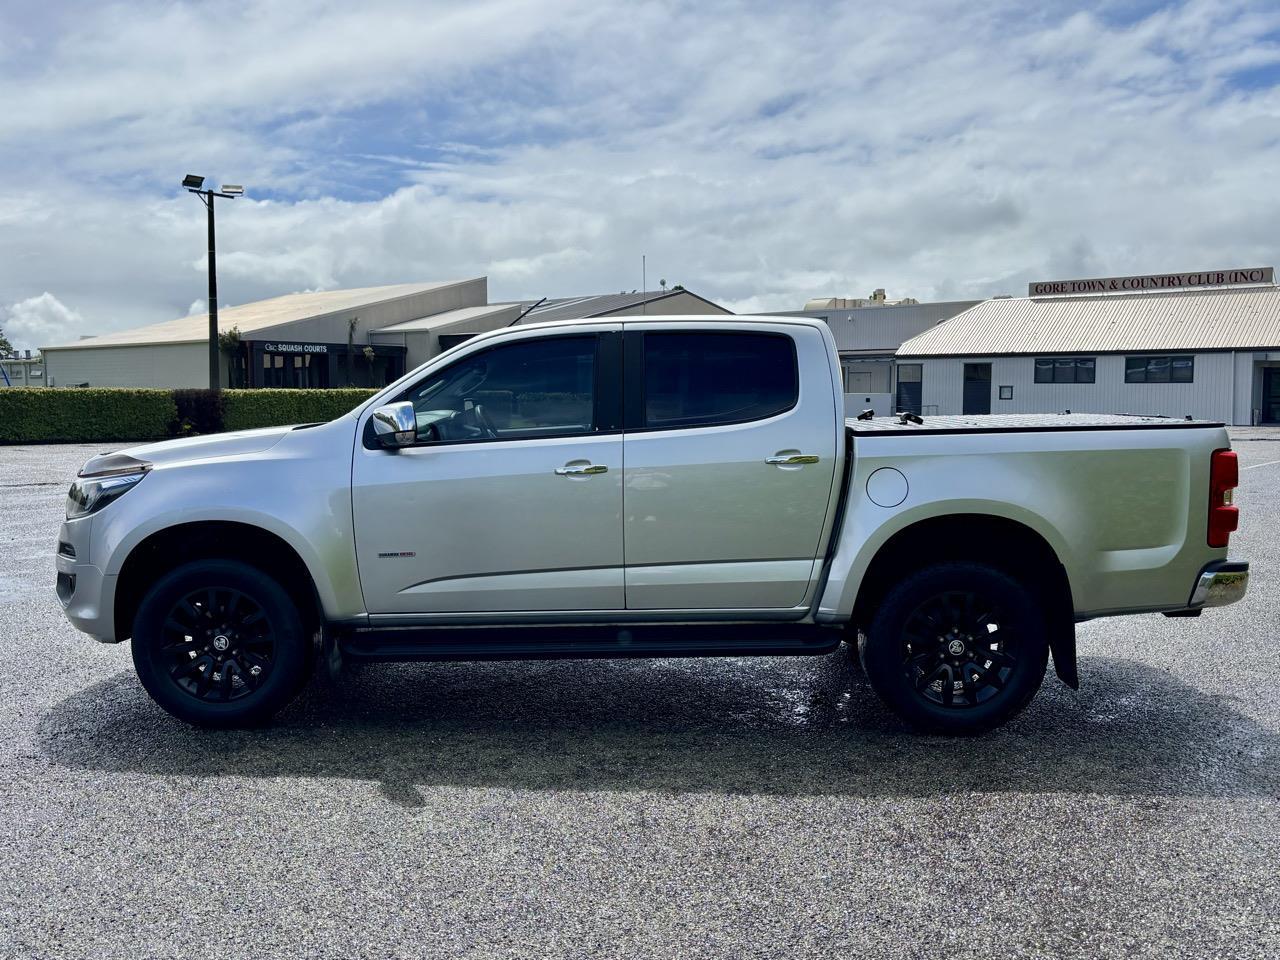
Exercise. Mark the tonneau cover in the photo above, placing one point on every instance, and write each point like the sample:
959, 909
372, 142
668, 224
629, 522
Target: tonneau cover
1021, 422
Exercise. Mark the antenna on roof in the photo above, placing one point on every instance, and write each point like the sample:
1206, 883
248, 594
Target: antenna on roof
644, 283
527, 312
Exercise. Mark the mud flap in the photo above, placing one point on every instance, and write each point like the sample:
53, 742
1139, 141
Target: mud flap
1062, 643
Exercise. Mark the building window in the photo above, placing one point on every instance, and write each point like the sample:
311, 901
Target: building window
1170, 369
1065, 369
1006, 392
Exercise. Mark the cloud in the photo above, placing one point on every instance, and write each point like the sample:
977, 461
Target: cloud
759, 154
40, 321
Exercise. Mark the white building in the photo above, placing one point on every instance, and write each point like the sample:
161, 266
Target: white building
362, 337
868, 337
1210, 352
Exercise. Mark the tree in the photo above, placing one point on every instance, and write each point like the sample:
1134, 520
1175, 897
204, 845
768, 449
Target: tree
5, 345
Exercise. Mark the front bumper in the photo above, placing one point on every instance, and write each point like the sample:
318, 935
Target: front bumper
84, 591
1220, 583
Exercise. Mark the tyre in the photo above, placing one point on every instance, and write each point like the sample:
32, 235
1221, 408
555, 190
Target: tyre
219, 643
956, 648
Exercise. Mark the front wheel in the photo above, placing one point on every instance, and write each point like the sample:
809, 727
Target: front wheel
219, 643
956, 648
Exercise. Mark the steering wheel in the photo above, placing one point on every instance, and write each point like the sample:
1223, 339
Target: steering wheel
483, 422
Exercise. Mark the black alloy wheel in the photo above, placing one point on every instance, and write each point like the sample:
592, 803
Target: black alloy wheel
954, 651
220, 643
957, 647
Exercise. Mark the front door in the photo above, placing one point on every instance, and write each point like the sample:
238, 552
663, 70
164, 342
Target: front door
512, 500
729, 464
1271, 394
977, 388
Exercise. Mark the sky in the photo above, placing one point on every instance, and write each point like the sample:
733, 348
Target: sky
759, 154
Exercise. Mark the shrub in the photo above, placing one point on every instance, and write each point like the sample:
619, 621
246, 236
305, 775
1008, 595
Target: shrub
246, 409
199, 411
69, 415
47, 415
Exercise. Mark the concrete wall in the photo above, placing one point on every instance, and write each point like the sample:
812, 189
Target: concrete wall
151, 365
1212, 395
865, 376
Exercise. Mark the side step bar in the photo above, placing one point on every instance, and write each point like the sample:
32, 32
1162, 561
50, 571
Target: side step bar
589, 641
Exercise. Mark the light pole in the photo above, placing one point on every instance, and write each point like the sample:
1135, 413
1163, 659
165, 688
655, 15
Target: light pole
228, 192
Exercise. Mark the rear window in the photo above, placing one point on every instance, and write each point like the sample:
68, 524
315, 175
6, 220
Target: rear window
706, 379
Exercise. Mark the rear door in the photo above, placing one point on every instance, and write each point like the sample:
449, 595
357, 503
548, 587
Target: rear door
729, 452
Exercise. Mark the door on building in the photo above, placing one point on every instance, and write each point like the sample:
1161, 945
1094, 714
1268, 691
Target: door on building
1271, 394
977, 388
910, 384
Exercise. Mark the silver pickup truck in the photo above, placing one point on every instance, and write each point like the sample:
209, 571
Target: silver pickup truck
676, 486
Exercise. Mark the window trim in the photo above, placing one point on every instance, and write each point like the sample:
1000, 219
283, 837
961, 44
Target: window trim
1146, 359
602, 410
633, 416
1075, 358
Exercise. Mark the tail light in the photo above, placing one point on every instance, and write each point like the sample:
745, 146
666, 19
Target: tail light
1224, 517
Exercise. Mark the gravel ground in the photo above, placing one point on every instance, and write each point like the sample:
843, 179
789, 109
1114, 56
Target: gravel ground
737, 808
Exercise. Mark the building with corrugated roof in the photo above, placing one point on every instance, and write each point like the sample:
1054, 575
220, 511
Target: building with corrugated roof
867, 338
657, 303
1209, 353
366, 337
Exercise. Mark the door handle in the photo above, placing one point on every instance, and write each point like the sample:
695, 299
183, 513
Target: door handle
581, 470
794, 459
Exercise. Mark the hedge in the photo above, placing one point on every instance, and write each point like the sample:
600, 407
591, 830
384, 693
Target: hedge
61, 415
245, 409
45, 414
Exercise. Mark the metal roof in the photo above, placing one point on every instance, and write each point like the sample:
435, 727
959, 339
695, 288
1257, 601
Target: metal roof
598, 305
1242, 318
259, 315
447, 318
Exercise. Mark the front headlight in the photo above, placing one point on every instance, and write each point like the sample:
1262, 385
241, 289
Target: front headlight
90, 494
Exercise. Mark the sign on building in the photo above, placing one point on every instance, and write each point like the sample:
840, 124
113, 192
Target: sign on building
279, 347
1153, 281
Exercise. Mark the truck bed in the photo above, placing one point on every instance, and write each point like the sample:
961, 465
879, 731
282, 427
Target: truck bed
1020, 423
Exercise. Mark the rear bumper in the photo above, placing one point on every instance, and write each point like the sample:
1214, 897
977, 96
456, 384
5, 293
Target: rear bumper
1220, 583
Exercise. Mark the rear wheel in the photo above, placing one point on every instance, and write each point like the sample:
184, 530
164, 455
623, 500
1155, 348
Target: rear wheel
220, 644
956, 648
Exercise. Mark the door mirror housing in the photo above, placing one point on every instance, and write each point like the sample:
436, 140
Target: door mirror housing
395, 425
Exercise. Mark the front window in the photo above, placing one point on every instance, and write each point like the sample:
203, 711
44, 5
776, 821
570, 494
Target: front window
530, 388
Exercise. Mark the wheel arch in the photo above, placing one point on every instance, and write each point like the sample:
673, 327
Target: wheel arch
1001, 542
165, 549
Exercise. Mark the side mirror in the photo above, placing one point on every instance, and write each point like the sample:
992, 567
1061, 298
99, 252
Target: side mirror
395, 425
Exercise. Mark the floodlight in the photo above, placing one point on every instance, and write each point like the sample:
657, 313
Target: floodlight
192, 182
233, 189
